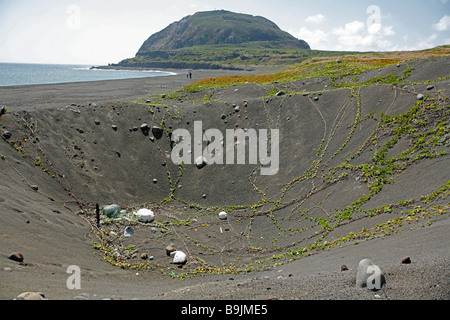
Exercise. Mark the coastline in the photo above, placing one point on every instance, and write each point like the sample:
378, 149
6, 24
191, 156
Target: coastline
29, 97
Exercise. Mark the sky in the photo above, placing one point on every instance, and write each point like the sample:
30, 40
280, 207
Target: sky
98, 32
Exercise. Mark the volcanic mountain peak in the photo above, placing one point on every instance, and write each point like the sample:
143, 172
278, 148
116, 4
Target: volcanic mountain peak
219, 27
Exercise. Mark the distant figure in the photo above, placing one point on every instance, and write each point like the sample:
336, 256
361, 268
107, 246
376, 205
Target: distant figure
187, 75
190, 75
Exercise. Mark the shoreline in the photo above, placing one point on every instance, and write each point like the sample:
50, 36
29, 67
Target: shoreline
29, 97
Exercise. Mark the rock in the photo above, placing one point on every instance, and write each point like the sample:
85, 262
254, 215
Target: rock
223, 117
344, 267
280, 93
430, 87
128, 232
237, 109
2, 110
223, 215
204, 196
35, 187
145, 215
316, 98
169, 249
155, 180
111, 211
6, 135
114, 127
369, 275
145, 129
179, 257
97, 122
157, 132
406, 260
420, 96
144, 256
31, 296
338, 61
16, 256
200, 162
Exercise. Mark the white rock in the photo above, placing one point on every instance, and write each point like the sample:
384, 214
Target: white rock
128, 232
145, 215
179, 257
31, 296
200, 162
223, 215
369, 275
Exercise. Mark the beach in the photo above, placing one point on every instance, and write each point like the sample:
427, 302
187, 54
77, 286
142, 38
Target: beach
52, 235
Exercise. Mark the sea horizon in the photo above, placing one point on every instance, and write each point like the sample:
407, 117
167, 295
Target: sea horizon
26, 73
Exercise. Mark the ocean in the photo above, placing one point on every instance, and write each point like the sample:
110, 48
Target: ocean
12, 74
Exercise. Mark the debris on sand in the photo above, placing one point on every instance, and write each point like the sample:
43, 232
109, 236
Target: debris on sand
111, 211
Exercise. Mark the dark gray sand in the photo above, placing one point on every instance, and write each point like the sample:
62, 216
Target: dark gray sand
42, 226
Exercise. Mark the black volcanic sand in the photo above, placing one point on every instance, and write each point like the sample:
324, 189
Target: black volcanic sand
65, 145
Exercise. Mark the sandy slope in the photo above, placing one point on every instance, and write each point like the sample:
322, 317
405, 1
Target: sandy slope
93, 163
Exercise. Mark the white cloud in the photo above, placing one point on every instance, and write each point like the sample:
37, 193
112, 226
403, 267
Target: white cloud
316, 38
361, 36
443, 24
315, 19
350, 29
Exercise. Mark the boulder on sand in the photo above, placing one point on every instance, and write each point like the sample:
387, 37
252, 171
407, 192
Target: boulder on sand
369, 275
145, 215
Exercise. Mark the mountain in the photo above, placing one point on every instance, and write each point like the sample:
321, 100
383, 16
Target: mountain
220, 27
218, 40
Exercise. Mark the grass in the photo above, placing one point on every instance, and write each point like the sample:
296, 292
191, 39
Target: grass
334, 67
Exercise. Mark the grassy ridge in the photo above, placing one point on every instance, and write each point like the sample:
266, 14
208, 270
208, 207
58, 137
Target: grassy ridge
335, 66
224, 56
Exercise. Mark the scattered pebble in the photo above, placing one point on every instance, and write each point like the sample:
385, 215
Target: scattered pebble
223, 215
128, 232
16, 256
200, 162
169, 249
344, 267
31, 296
6, 135
406, 260
144, 256
420, 96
